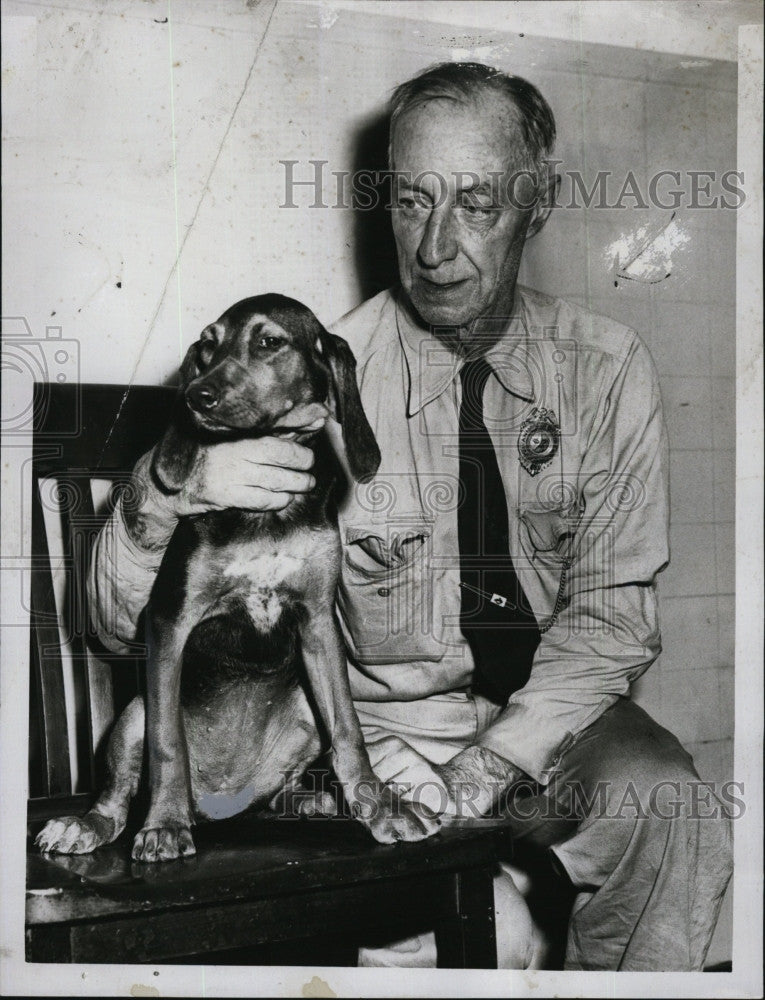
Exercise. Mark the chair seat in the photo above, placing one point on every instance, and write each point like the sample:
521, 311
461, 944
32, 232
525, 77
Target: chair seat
256, 881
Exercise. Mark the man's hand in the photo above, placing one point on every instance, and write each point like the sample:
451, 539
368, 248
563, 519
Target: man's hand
466, 786
256, 474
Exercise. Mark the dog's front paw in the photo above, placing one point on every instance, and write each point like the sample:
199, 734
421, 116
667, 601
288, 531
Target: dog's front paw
389, 819
75, 834
163, 843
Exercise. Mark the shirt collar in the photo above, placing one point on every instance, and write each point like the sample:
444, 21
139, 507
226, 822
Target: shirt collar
432, 367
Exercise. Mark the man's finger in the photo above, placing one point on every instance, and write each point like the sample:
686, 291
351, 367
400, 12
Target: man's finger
269, 477
277, 452
257, 499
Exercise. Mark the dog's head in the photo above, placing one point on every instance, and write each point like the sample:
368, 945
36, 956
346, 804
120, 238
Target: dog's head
266, 366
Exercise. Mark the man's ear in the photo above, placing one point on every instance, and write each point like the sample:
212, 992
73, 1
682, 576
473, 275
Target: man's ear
358, 437
175, 456
548, 195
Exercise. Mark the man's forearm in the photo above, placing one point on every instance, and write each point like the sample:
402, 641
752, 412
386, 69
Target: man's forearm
125, 559
476, 778
148, 513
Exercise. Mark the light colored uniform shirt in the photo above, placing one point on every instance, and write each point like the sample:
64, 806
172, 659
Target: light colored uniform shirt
588, 531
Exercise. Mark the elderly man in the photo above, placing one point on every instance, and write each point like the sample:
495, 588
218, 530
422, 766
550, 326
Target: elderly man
497, 595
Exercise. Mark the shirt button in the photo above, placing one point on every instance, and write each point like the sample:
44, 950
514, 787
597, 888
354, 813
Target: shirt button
383, 591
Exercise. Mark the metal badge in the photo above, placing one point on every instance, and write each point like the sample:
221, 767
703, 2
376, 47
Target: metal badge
538, 440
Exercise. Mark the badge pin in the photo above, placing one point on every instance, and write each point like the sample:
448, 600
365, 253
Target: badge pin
538, 440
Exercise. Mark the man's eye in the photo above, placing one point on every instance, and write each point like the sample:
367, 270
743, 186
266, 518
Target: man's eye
269, 343
410, 203
477, 211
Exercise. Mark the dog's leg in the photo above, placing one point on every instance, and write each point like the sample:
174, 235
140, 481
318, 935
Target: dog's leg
106, 820
166, 833
375, 805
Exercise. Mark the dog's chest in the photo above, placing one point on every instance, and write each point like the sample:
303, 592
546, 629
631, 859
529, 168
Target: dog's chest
261, 574
264, 582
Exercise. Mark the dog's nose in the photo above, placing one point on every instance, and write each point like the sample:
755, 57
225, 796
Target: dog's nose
203, 398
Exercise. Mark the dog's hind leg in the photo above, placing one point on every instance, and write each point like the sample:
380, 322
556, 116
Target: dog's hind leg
106, 819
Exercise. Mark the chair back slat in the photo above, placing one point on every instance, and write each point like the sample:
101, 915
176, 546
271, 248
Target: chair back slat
53, 730
82, 433
101, 708
81, 526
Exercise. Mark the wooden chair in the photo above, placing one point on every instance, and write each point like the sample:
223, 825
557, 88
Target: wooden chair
253, 883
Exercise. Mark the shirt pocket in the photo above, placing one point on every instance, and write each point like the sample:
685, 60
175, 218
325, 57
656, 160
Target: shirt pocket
548, 530
386, 593
548, 539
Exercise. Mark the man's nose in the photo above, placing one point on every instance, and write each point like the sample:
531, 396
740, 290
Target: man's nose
202, 398
438, 243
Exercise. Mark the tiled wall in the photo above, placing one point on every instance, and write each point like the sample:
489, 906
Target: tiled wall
644, 123
688, 321
128, 144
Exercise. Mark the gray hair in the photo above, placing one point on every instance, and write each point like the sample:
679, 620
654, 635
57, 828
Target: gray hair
463, 82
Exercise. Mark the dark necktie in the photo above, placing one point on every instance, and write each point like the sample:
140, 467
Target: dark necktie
495, 617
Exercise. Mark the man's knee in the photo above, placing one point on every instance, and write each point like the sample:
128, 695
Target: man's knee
663, 787
633, 768
659, 785
634, 796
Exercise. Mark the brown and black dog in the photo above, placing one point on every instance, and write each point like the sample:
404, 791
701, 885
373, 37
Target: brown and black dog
246, 669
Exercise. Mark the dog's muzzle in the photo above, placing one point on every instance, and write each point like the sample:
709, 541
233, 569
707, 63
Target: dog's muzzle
202, 398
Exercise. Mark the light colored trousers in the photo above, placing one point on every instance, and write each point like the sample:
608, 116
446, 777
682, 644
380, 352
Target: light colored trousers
645, 843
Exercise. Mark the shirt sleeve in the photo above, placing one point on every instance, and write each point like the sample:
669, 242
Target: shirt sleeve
125, 560
607, 633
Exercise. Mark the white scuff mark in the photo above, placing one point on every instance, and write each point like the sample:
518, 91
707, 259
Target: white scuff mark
327, 17
646, 255
478, 53
694, 63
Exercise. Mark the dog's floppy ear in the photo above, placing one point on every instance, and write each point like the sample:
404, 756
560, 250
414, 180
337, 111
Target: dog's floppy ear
176, 453
360, 444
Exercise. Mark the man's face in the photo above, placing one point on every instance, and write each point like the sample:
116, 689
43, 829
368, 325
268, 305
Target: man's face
459, 222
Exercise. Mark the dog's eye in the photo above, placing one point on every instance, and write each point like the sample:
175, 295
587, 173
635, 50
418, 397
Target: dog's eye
269, 342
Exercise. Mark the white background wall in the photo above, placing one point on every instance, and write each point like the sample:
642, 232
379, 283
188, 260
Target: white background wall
142, 188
